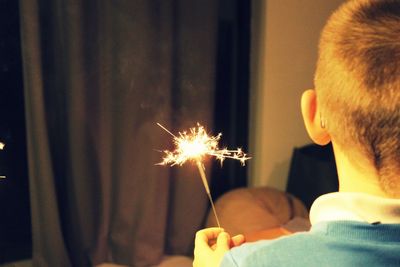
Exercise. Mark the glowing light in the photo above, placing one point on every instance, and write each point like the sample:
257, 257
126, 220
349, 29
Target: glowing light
195, 145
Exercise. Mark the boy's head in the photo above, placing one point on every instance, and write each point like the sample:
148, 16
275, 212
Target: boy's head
358, 84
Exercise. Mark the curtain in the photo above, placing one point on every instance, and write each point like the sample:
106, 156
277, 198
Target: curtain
98, 75
15, 234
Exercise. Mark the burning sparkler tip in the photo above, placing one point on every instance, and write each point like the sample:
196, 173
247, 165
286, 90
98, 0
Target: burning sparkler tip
195, 144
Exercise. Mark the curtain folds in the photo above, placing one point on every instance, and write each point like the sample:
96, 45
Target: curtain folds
98, 75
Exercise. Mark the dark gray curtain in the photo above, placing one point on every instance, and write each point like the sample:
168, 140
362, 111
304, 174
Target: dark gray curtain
98, 75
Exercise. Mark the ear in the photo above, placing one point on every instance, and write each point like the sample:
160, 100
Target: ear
312, 120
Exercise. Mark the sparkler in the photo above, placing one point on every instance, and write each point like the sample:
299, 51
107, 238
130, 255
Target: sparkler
194, 146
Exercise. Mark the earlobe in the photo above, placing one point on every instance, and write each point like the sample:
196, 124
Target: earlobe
312, 119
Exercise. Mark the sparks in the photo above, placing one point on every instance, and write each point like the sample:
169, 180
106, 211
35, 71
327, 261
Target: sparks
195, 145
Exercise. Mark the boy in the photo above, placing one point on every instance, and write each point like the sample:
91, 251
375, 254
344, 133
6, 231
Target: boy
356, 106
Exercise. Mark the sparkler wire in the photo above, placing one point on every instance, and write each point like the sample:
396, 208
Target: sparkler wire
193, 146
200, 166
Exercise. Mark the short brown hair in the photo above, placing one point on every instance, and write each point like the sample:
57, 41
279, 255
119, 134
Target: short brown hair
358, 83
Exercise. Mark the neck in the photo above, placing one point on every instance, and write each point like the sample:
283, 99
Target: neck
356, 174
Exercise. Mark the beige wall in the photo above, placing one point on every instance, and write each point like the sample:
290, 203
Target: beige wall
284, 50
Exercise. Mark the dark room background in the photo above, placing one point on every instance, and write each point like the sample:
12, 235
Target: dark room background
15, 221
82, 85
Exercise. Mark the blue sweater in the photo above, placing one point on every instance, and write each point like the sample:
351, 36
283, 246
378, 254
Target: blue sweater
338, 243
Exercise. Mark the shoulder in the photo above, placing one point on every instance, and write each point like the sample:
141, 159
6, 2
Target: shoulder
342, 243
278, 252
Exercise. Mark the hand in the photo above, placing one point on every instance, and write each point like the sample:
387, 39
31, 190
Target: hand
210, 246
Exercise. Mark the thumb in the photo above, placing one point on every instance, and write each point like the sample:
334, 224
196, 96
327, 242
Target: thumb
223, 241
237, 240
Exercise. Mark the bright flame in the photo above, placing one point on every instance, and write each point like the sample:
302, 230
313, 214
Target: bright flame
197, 144
2, 145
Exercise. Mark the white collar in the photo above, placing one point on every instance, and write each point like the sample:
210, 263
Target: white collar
355, 207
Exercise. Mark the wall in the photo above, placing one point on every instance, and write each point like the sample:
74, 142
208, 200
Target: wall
284, 50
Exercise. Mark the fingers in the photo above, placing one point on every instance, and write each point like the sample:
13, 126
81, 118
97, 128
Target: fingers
237, 240
210, 246
205, 237
211, 239
208, 237
208, 234
223, 242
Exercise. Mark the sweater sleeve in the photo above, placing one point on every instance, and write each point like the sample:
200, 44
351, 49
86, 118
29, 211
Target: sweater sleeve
228, 261
247, 255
